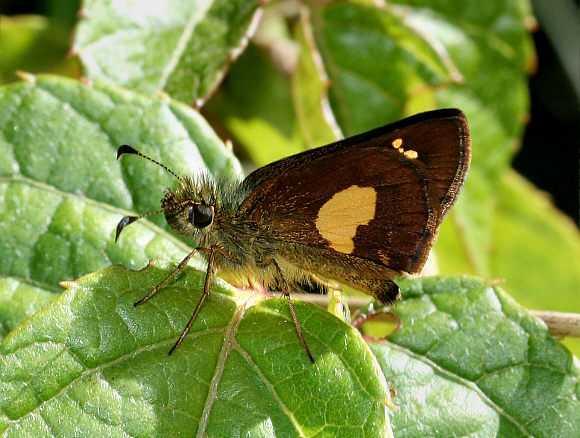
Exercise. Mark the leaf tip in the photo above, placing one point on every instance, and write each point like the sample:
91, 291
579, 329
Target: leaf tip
25, 76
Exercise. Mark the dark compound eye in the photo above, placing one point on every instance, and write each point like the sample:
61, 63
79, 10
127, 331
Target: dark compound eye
200, 215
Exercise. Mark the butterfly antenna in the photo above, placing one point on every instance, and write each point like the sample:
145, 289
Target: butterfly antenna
127, 220
126, 149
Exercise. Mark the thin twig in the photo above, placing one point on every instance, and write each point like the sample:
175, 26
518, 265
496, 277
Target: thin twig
561, 324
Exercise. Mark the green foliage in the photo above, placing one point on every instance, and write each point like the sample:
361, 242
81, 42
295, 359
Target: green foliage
467, 360
242, 368
180, 48
470, 361
35, 44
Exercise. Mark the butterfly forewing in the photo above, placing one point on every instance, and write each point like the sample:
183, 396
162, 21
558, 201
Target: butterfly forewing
441, 141
377, 205
378, 196
443, 146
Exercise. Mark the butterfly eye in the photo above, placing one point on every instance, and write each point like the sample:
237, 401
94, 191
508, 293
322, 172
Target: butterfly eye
200, 215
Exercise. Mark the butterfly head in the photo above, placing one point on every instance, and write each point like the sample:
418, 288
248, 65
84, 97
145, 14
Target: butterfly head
190, 209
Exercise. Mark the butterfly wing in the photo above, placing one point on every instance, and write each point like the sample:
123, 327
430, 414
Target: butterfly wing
440, 138
376, 205
378, 196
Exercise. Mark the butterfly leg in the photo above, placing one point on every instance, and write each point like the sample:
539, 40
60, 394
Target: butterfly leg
286, 291
206, 288
213, 250
169, 277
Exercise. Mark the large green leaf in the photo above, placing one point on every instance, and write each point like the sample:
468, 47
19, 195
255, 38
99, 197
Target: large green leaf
65, 134
47, 236
91, 364
370, 55
400, 58
467, 360
180, 48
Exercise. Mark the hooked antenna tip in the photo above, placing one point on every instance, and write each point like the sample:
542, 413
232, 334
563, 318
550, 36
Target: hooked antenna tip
126, 149
127, 220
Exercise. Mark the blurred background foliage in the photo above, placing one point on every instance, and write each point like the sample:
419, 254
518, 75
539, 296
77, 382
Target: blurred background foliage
313, 72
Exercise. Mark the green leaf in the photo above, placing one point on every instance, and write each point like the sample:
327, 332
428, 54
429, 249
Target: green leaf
48, 236
20, 299
242, 368
64, 191
65, 134
401, 58
310, 89
538, 248
467, 360
261, 119
182, 48
370, 55
259, 137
